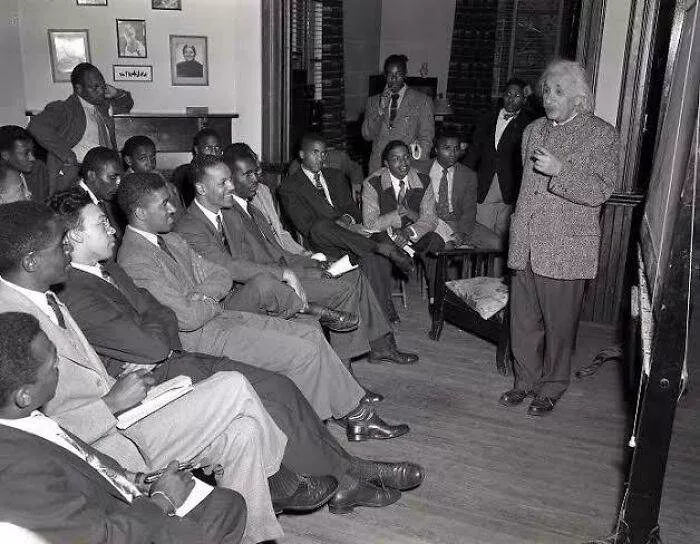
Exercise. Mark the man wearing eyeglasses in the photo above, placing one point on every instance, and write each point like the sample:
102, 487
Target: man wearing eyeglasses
206, 142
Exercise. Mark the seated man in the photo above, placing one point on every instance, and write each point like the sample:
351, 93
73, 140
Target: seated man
220, 422
17, 153
399, 203
319, 203
12, 186
454, 188
100, 175
69, 128
206, 142
59, 487
128, 328
247, 249
139, 156
194, 288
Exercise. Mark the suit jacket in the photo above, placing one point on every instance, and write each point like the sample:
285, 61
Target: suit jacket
180, 284
51, 491
304, 205
60, 126
123, 323
504, 160
264, 202
415, 122
464, 191
378, 190
83, 381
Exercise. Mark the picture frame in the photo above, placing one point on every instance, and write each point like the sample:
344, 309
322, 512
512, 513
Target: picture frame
67, 49
131, 39
91, 2
166, 5
135, 73
189, 60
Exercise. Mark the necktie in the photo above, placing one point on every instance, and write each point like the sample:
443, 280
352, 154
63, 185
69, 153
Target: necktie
119, 481
161, 245
443, 202
392, 109
222, 233
402, 191
258, 219
318, 185
507, 115
53, 303
106, 275
102, 132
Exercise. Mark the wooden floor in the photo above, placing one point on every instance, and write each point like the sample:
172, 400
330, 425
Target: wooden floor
495, 476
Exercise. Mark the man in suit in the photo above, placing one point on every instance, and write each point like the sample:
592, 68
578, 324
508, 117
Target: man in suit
62, 489
17, 153
246, 244
129, 328
398, 113
206, 142
233, 431
69, 128
495, 156
319, 203
100, 175
196, 290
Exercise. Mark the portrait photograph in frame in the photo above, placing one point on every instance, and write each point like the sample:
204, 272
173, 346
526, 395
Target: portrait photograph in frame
166, 4
139, 73
131, 38
189, 63
67, 49
91, 2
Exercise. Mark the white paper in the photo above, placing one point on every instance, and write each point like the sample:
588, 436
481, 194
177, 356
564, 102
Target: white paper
320, 257
156, 398
199, 492
341, 266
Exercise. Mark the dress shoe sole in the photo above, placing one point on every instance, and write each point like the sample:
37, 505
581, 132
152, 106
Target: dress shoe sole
348, 508
538, 413
305, 507
339, 328
379, 359
362, 436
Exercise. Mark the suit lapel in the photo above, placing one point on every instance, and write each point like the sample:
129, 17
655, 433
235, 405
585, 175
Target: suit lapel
197, 214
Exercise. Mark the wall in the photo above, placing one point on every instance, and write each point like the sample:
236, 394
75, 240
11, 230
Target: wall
235, 52
420, 30
612, 59
361, 36
11, 83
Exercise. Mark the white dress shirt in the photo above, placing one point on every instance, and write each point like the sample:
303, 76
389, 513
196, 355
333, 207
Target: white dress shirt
311, 176
91, 136
87, 189
243, 203
501, 124
435, 178
211, 216
38, 298
153, 238
401, 93
396, 184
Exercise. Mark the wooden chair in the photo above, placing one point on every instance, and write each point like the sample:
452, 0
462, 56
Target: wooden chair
448, 306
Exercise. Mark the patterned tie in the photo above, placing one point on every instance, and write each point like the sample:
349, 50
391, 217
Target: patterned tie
318, 185
102, 132
164, 247
222, 232
258, 219
392, 109
106, 275
443, 203
402, 191
53, 303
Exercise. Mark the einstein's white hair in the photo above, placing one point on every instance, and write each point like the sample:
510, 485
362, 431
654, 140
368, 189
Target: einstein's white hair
572, 77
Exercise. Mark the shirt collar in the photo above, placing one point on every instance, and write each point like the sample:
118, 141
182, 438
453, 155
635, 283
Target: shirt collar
85, 104
36, 297
309, 173
396, 182
437, 168
94, 269
242, 202
27, 423
208, 213
153, 238
402, 91
84, 187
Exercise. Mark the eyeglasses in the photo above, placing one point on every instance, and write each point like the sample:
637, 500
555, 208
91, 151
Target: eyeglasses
212, 149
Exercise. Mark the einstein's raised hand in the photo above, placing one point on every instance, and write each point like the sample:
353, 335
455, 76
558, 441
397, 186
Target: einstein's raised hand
545, 162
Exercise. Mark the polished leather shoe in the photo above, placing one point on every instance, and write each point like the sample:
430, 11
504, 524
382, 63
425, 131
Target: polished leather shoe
392, 355
541, 405
335, 320
312, 493
512, 397
364, 423
401, 476
371, 397
361, 493
396, 255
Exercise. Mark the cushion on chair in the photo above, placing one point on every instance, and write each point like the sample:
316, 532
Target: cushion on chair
486, 296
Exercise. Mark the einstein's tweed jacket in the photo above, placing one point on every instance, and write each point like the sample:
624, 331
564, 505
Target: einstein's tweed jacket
556, 219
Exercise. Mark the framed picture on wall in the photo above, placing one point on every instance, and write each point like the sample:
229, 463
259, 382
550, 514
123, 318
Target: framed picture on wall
132, 72
91, 2
166, 4
67, 49
131, 38
188, 60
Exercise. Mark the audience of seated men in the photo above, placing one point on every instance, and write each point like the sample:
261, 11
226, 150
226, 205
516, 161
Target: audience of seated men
68, 129
206, 142
100, 175
17, 152
12, 185
139, 156
196, 290
319, 203
246, 246
398, 202
220, 422
63, 490
129, 328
